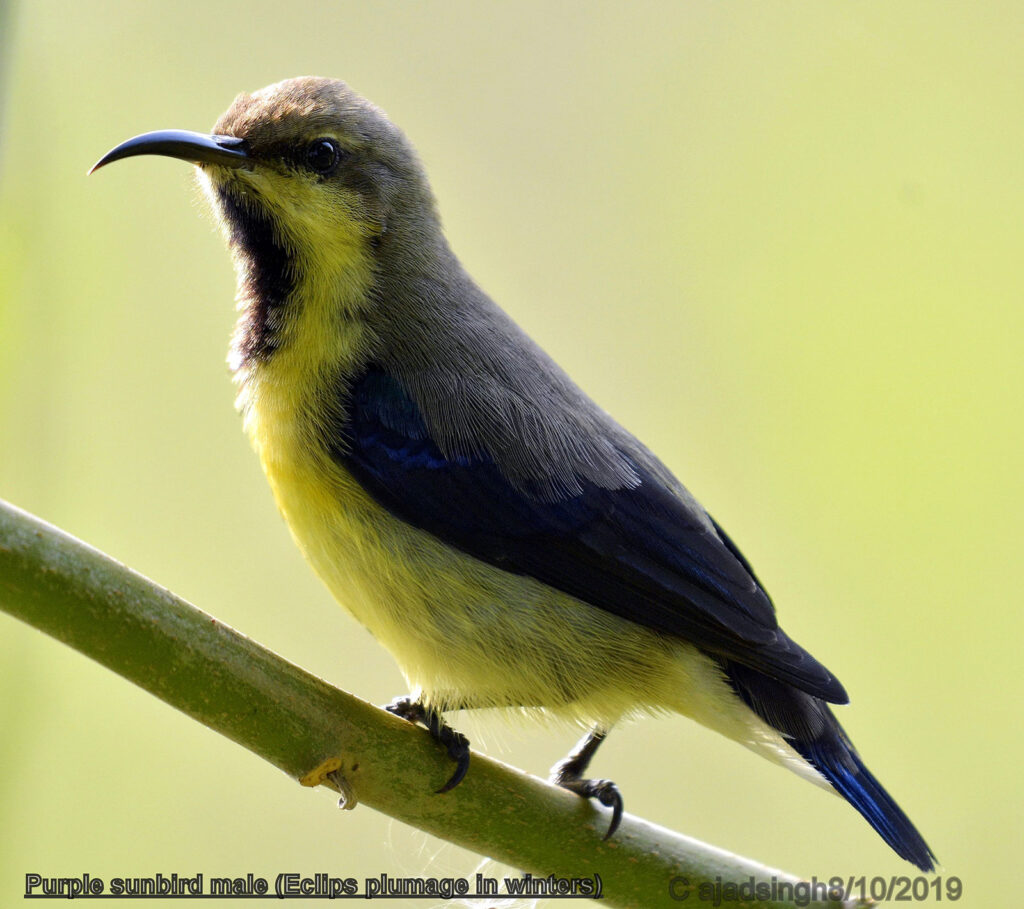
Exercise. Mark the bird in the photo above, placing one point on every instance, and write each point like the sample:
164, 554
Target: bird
501, 535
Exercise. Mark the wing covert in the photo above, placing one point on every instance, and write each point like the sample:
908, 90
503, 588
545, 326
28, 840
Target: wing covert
637, 552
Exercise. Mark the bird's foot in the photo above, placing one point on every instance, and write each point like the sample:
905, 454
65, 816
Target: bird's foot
605, 791
569, 775
456, 744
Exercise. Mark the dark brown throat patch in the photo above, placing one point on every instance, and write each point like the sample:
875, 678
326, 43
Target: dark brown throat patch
269, 275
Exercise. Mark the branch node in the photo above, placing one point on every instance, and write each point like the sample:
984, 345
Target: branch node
321, 772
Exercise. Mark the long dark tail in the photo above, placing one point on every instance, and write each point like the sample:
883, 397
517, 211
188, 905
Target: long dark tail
810, 728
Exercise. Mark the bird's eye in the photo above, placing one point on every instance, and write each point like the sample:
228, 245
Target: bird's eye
322, 156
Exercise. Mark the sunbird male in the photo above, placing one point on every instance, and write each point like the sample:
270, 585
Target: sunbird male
500, 534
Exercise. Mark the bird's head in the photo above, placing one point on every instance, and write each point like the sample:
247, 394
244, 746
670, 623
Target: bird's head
312, 183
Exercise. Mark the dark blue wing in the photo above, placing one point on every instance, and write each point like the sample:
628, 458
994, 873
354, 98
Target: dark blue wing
638, 552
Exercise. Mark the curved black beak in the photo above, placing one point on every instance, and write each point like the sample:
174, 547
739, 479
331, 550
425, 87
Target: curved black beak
180, 143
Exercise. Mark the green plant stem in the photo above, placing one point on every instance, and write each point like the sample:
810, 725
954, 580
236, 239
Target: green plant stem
298, 723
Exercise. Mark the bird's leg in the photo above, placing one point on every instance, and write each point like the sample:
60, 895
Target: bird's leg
569, 775
456, 743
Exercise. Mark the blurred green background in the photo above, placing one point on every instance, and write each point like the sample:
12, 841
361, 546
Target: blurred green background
781, 243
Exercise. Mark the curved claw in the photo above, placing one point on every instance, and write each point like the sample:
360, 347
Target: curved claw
456, 743
608, 794
605, 791
458, 751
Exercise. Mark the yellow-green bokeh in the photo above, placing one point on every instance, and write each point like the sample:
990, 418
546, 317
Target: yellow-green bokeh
780, 242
